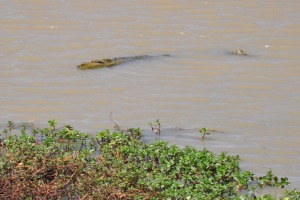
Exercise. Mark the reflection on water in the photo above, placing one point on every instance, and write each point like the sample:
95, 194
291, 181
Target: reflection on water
253, 101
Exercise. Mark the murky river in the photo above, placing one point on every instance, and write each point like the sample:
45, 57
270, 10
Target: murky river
253, 102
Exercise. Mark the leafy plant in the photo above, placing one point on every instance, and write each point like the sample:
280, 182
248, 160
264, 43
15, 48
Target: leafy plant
291, 195
203, 132
24, 128
10, 126
271, 180
68, 164
155, 126
5, 131
52, 124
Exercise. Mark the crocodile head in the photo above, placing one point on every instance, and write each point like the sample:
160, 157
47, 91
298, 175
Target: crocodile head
239, 52
99, 63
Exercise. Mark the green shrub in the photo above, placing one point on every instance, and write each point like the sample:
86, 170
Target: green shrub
66, 164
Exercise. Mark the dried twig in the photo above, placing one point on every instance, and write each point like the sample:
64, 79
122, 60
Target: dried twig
116, 127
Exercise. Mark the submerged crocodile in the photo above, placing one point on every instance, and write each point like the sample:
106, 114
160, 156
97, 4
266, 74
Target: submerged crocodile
239, 52
109, 62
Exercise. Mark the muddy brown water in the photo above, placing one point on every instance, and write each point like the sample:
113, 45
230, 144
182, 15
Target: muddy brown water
252, 101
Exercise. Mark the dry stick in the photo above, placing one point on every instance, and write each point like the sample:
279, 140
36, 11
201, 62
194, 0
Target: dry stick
98, 142
84, 197
70, 178
116, 125
6, 182
37, 171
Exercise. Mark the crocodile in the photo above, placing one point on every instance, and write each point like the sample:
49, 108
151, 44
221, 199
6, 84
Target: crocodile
109, 62
239, 52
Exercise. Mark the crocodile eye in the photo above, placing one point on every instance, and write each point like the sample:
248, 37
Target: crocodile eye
107, 60
97, 61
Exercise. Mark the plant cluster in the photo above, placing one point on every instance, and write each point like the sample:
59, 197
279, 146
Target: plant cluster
66, 164
203, 132
155, 126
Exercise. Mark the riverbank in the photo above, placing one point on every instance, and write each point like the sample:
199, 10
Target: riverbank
66, 163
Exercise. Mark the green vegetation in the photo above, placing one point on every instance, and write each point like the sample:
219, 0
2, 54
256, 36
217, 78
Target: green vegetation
203, 132
66, 164
155, 126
